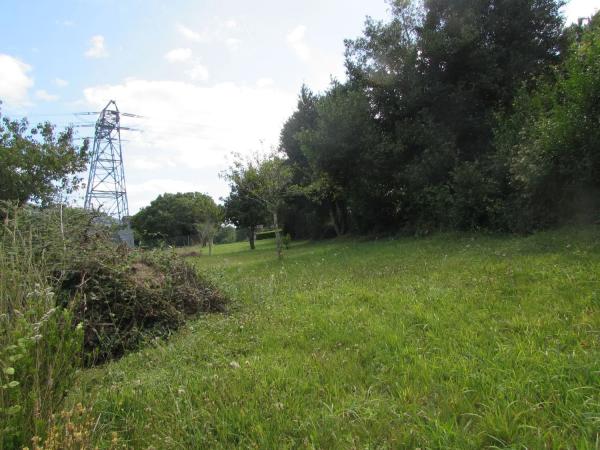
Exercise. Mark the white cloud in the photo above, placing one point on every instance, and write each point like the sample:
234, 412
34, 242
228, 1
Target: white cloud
196, 126
264, 82
141, 194
178, 55
190, 34
43, 95
217, 31
231, 23
60, 82
146, 163
162, 184
14, 81
97, 48
296, 40
576, 9
233, 43
198, 73
65, 23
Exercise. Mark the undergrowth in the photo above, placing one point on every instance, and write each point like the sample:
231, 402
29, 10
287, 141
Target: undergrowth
70, 296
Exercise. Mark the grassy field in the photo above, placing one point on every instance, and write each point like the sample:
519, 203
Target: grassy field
451, 341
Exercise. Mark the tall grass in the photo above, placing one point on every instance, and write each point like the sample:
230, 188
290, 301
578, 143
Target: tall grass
40, 348
450, 341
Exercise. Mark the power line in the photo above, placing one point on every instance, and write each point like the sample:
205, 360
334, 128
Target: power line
81, 123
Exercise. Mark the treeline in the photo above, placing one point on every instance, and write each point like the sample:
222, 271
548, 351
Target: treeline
465, 114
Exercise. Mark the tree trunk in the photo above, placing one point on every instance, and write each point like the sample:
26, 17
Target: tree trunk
251, 237
210, 245
334, 222
342, 215
277, 235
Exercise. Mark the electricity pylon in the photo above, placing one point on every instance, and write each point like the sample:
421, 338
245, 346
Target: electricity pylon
106, 183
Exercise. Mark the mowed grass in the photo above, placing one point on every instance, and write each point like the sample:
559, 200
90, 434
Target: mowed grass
450, 341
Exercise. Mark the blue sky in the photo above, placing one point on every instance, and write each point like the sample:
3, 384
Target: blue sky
211, 77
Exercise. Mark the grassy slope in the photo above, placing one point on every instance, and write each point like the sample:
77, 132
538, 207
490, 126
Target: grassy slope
451, 341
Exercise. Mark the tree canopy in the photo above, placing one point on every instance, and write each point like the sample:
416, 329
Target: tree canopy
261, 185
176, 215
242, 209
39, 163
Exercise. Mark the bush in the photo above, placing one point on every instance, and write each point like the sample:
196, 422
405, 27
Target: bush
226, 235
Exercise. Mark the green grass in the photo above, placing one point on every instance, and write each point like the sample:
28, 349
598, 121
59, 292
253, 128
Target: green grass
452, 341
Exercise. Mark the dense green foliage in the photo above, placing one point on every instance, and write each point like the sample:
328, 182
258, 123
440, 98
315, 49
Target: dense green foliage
38, 164
172, 216
457, 114
550, 145
452, 341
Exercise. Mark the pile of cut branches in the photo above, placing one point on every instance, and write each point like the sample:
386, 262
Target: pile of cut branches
124, 298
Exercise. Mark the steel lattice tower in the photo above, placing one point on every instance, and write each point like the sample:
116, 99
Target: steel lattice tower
106, 183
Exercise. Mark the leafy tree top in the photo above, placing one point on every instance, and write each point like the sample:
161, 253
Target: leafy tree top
38, 164
173, 215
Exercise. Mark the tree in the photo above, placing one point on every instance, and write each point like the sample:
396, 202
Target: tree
436, 75
341, 151
243, 210
303, 119
414, 139
265, 180
38, 164
170, 216
549, 147
304, 215
207, 231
